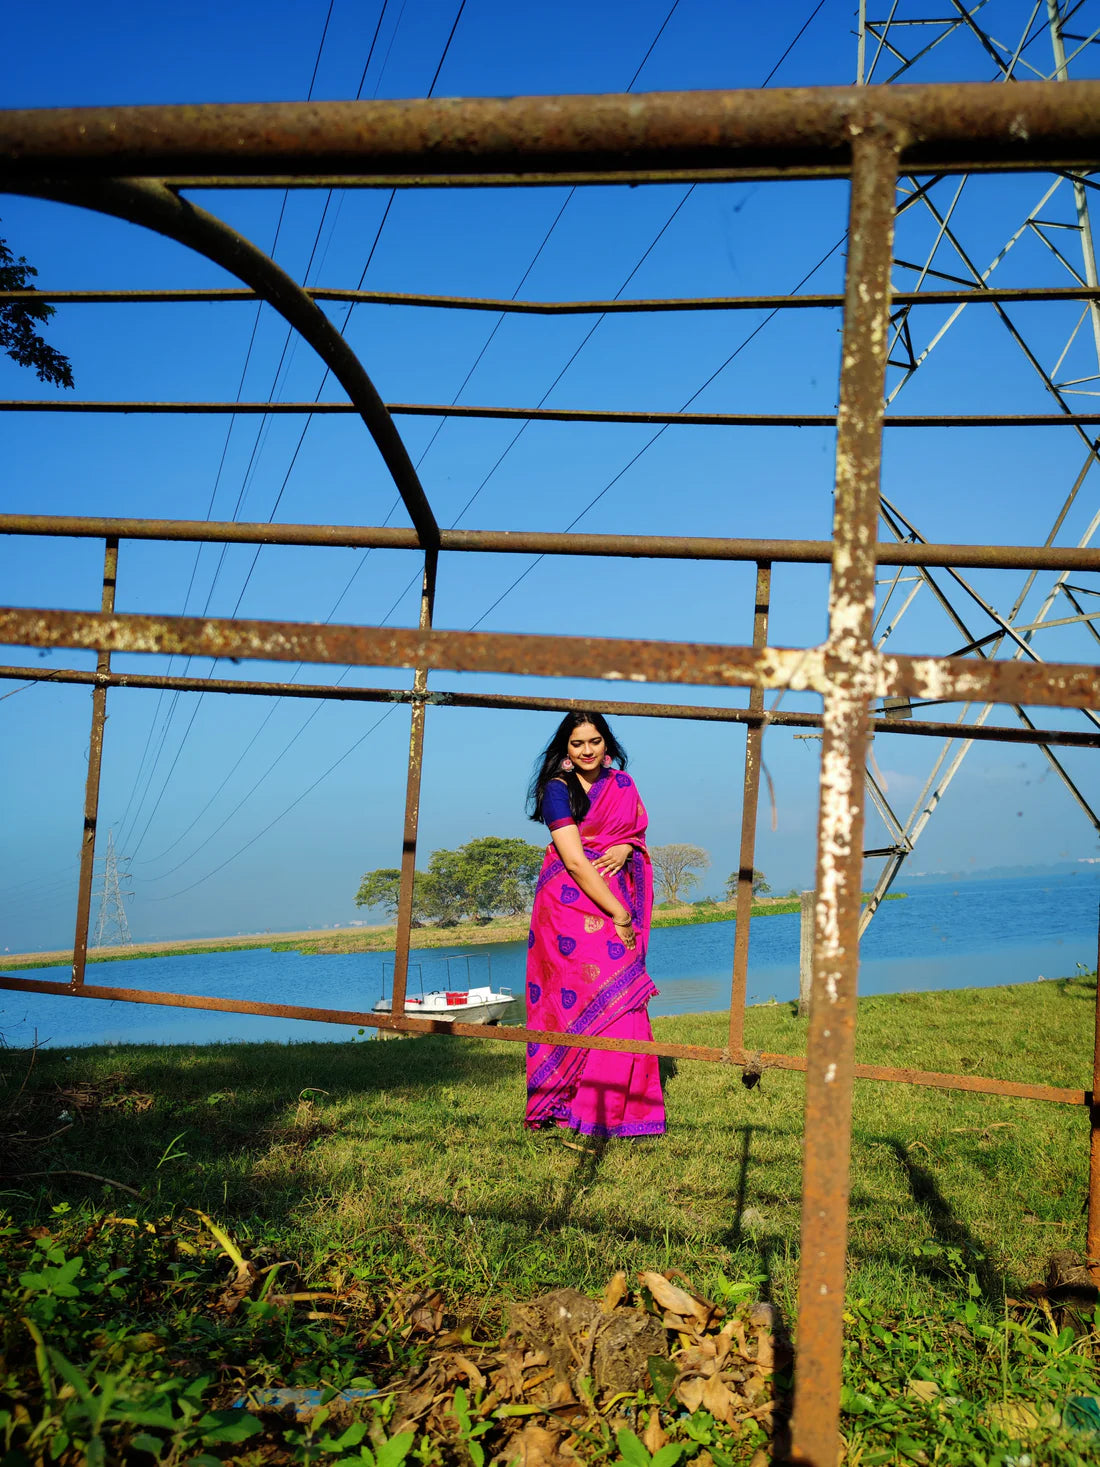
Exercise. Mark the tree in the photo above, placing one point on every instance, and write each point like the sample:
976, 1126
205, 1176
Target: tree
382, 888
760, 884
492, 874
17, 334
672, 868
500, 873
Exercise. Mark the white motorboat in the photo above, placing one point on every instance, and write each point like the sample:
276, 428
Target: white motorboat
467, 1005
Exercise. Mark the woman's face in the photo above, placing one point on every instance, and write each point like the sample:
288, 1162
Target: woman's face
587, 748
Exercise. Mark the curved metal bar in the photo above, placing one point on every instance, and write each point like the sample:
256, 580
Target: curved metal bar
149, 203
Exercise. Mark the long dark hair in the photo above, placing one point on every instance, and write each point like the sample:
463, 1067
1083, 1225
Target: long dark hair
549, 767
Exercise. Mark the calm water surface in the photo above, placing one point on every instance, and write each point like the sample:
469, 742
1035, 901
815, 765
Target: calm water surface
974, 935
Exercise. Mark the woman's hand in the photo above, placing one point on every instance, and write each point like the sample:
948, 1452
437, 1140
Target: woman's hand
624, 927
613, 860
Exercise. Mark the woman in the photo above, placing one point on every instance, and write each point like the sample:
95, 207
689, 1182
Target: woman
586, 951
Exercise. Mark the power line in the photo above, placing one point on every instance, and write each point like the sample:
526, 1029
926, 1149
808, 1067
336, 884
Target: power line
286, 479
744, 343
209, 511
255, 446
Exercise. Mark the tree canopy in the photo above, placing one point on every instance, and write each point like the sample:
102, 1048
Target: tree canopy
18, 336
493, 874
673, 869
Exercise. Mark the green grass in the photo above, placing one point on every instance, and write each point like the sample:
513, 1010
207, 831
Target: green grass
404, 1164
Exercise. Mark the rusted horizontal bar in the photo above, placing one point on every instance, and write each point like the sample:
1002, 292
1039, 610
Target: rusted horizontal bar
409, 1025
507, 306
519, 542
550, 415
993, 733
790, 131
611, 659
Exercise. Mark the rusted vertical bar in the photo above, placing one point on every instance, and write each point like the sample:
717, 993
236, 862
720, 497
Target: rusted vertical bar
806, 952
750, 798
850, 662
1092, 1231
91, 787
412, 797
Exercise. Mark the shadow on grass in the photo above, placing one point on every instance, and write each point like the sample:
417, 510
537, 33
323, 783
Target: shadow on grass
945, 1227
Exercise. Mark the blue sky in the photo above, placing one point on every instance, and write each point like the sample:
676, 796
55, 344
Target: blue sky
226, 806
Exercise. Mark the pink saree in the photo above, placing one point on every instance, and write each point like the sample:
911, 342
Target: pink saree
581, 979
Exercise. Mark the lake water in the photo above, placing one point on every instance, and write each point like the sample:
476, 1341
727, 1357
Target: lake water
975, 934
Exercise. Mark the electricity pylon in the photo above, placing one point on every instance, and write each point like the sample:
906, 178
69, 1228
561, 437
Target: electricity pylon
112, 928
933, 249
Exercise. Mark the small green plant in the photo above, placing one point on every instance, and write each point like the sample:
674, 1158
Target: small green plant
636, 1454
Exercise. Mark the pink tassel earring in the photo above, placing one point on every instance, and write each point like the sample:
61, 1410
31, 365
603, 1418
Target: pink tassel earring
566, 766
607, 761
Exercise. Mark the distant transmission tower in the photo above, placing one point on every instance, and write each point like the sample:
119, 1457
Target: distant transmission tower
1008, 41
112, 928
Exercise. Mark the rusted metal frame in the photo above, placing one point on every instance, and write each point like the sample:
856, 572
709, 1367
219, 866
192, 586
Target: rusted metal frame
1092, 1225
696, 712
412, 796
150, 204
850, 669
536, 542
719, 134
548, 415
95, 764
754, 740
1061, 685
508, 306
409, 1024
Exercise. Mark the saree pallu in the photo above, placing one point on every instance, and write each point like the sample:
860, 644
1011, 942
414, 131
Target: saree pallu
582, 979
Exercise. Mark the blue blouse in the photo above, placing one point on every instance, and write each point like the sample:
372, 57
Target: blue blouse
555, 803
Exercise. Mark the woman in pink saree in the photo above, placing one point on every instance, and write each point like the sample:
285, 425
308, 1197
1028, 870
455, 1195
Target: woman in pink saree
586, 952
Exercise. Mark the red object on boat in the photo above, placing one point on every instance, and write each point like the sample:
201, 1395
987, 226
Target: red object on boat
453, 998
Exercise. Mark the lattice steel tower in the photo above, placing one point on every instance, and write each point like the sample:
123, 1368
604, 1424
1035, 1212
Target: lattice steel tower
935, 248
112, 928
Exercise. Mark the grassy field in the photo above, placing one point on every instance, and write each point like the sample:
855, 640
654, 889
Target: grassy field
367, 1169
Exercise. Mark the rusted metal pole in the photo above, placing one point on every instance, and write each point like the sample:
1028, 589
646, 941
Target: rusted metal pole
1092, 1231
244, 687
754, 739
806, 953
850, 677
412, 797
91, 787
553, 542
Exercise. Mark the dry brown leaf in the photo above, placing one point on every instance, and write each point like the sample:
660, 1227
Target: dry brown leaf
690, 1393
753, 1388
615, 1293
668, 1296
718, 1401
923, 1390
760, 1458
654, 1435
425, 1313
230, 1299
536, 1447
765, 1352
735, 1330
473, 1374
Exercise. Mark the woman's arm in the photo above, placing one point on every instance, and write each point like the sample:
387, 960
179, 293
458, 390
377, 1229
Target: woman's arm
567, 842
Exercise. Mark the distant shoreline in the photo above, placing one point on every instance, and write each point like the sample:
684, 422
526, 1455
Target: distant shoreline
337, 941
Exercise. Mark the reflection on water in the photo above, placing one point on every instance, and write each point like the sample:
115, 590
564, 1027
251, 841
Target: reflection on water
977, 935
